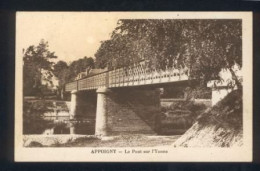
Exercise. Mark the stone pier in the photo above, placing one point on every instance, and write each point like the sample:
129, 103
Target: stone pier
73, 104
101, 114
72, 128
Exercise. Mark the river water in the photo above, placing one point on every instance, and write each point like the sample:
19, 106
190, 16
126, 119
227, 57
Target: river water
43, 118
58, 125
52, 117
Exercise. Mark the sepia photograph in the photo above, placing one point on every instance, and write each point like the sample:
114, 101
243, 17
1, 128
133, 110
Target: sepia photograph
133, 86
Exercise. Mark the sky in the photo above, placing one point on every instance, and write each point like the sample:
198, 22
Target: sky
70, 35
73, 35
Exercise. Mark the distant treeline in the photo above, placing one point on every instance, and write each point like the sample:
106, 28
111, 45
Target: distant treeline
39, 70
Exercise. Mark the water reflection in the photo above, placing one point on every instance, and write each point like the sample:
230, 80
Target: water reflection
59, 125
50, 117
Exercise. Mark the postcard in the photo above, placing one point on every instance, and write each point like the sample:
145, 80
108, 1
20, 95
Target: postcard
133, 87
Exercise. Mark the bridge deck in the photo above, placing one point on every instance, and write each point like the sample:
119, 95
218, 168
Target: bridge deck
134, 75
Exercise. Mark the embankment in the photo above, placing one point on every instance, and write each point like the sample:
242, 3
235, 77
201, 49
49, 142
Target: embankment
219, 126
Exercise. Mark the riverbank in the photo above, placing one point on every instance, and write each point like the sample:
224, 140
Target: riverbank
134, 140
220, 126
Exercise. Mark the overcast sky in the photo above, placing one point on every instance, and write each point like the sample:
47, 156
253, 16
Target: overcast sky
70, 35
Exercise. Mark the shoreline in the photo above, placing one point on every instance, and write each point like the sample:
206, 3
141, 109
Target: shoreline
131, 140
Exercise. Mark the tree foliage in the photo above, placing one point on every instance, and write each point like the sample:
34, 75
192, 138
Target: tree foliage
66, 73
36, 59
60, 70
81, 65
204, 46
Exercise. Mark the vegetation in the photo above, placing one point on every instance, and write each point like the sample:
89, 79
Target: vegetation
32, 116
66, 73
81, 65
178, 117
205, 47
36, 59
181, 92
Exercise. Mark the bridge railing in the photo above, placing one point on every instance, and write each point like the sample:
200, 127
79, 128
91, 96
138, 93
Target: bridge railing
134, 75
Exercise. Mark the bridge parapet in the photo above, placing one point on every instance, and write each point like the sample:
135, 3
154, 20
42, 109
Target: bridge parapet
133, 75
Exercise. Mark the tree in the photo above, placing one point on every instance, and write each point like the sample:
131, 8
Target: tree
204, 46
81, 65
61, 71
36, 59
66, 73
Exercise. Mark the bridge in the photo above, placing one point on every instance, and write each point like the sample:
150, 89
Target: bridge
127, 99
135, 75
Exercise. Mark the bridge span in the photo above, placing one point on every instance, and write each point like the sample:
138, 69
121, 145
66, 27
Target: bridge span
135, 75
116, 107
120, 106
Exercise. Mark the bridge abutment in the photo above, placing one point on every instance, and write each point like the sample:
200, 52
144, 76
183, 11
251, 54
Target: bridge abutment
219, 91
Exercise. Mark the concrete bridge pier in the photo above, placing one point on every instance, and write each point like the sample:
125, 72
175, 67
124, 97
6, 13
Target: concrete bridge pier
72, 128
101, 113
73, 104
